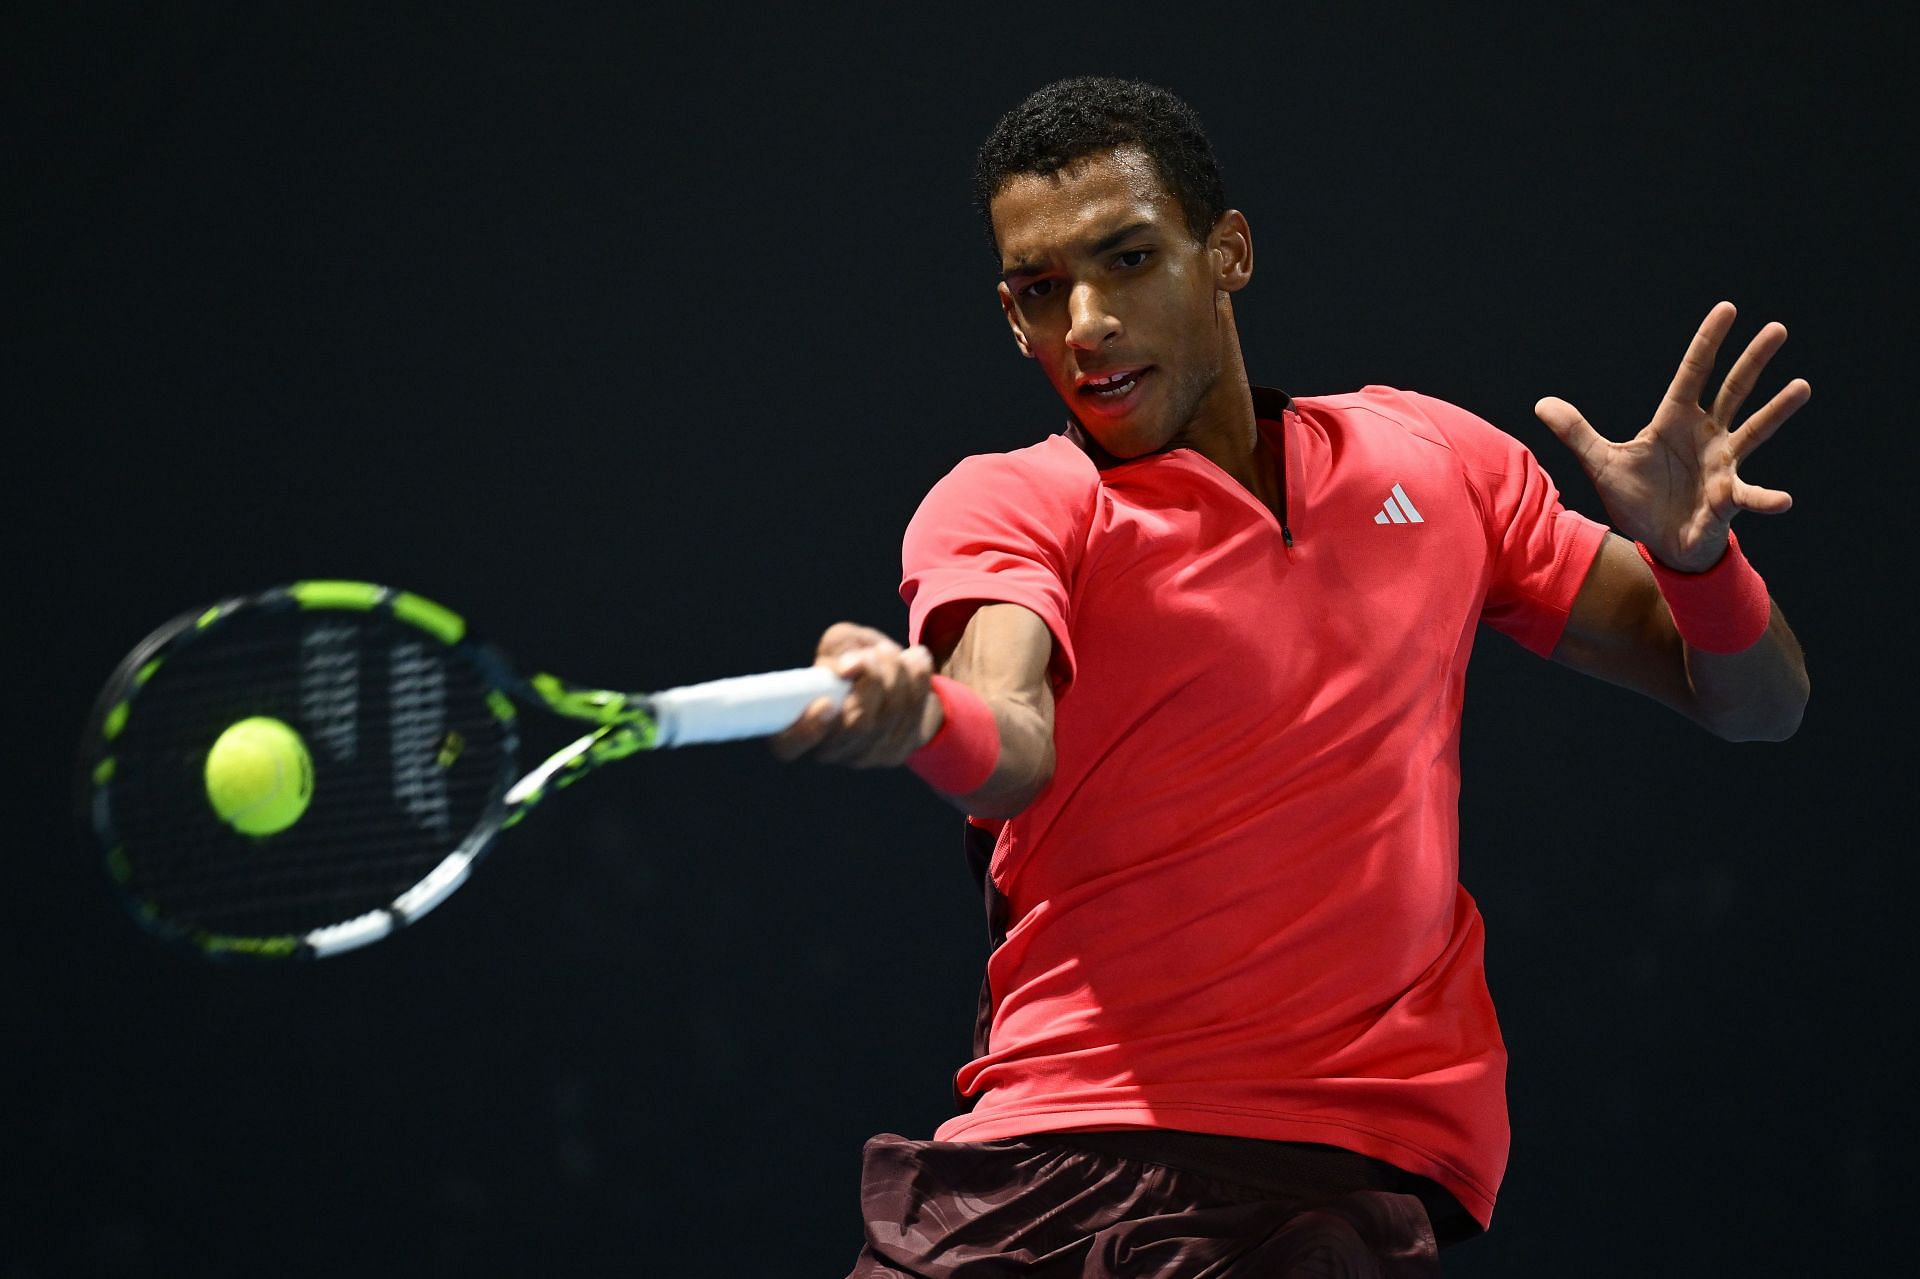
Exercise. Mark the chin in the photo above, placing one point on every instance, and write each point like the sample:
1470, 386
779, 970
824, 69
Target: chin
1125, 440
1139, 433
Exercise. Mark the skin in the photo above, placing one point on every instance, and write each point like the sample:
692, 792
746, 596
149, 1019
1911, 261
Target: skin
1100, 273
1676, 487
1079, 303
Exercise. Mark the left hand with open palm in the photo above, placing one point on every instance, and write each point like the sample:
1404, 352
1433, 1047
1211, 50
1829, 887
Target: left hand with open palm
1676, 485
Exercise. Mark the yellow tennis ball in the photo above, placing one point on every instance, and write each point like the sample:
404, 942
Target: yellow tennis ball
259, 776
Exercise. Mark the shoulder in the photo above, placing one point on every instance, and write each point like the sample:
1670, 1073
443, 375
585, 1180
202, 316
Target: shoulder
1053, 464
1476, 443
1051, 480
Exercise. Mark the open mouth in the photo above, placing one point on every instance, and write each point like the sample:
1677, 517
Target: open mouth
1116, 390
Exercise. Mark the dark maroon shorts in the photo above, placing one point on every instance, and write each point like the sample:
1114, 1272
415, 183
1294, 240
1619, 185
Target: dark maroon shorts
1146, 1205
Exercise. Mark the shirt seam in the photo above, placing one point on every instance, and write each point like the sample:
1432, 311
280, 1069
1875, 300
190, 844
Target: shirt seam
1035, 601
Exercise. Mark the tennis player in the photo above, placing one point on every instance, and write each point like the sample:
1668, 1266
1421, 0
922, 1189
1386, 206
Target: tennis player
1193, 668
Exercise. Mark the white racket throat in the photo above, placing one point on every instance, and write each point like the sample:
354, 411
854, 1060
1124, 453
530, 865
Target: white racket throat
725, 710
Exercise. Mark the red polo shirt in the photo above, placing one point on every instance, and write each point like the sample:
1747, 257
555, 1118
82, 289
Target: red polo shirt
1236, 907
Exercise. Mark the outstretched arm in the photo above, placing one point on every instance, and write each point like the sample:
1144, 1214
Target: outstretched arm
999, 651
1675, 488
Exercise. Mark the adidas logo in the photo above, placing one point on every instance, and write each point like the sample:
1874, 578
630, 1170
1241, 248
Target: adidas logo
1404, 513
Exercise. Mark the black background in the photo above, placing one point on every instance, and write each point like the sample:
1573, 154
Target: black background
637, 338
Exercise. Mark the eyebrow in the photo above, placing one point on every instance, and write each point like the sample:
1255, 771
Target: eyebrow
1025, 268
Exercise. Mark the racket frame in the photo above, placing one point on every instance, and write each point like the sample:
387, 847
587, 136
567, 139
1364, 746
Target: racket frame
624, 725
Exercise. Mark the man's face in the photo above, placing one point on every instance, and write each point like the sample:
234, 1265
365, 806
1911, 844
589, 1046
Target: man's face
1101, 277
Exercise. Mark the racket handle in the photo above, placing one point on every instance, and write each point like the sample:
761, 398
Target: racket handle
724, 710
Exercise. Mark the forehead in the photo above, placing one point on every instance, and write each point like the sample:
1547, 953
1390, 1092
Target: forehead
1039, 216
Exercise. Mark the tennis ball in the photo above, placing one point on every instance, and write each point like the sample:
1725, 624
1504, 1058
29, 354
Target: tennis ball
259, 776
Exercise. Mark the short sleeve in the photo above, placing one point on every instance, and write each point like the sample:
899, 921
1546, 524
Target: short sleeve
1003, 528
1540, 551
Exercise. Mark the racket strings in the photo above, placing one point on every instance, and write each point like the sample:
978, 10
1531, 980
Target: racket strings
407, 758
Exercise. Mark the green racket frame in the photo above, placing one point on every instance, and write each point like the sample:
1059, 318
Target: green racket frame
624, 724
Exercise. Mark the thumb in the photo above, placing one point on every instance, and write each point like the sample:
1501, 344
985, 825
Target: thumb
1565, 422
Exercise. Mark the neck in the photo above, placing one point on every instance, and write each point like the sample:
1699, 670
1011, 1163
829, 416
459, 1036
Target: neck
1224, 429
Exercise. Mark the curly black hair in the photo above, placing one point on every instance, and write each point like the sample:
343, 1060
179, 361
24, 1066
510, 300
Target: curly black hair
1071, 119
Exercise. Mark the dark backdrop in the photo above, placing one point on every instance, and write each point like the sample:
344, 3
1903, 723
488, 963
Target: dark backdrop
638, 338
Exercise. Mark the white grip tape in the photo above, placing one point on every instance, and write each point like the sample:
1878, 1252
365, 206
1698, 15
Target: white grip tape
725, 710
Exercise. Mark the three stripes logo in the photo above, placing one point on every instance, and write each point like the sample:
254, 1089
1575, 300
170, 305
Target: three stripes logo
1399, 509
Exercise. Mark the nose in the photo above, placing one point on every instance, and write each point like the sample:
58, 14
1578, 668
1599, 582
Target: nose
1092, 324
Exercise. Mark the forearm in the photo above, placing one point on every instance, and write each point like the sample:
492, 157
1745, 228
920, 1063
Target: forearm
1622, 630
1746, 676
1003, 656
1755, 695
1025, 764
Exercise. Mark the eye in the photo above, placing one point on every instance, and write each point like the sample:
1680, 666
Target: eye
1037, 290
1133, 257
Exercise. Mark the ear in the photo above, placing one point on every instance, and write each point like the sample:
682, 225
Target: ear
1230, 249
1013, 320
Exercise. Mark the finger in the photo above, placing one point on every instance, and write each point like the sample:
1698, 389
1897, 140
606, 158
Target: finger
857, 718
897, 722
1690, 382
804, 733
1746, 372
844, 637
1756, 430
918, 661
867, 748
852, 663
1572, 429
857, 705
1761, 501
917, 664
844, 740
848, 665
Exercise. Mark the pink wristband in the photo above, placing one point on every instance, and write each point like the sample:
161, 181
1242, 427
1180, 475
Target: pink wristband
959, 758
1722, 610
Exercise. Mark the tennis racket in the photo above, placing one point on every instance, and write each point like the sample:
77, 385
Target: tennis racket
411, 727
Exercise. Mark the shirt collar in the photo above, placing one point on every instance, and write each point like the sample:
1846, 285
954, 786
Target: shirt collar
1270, 404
